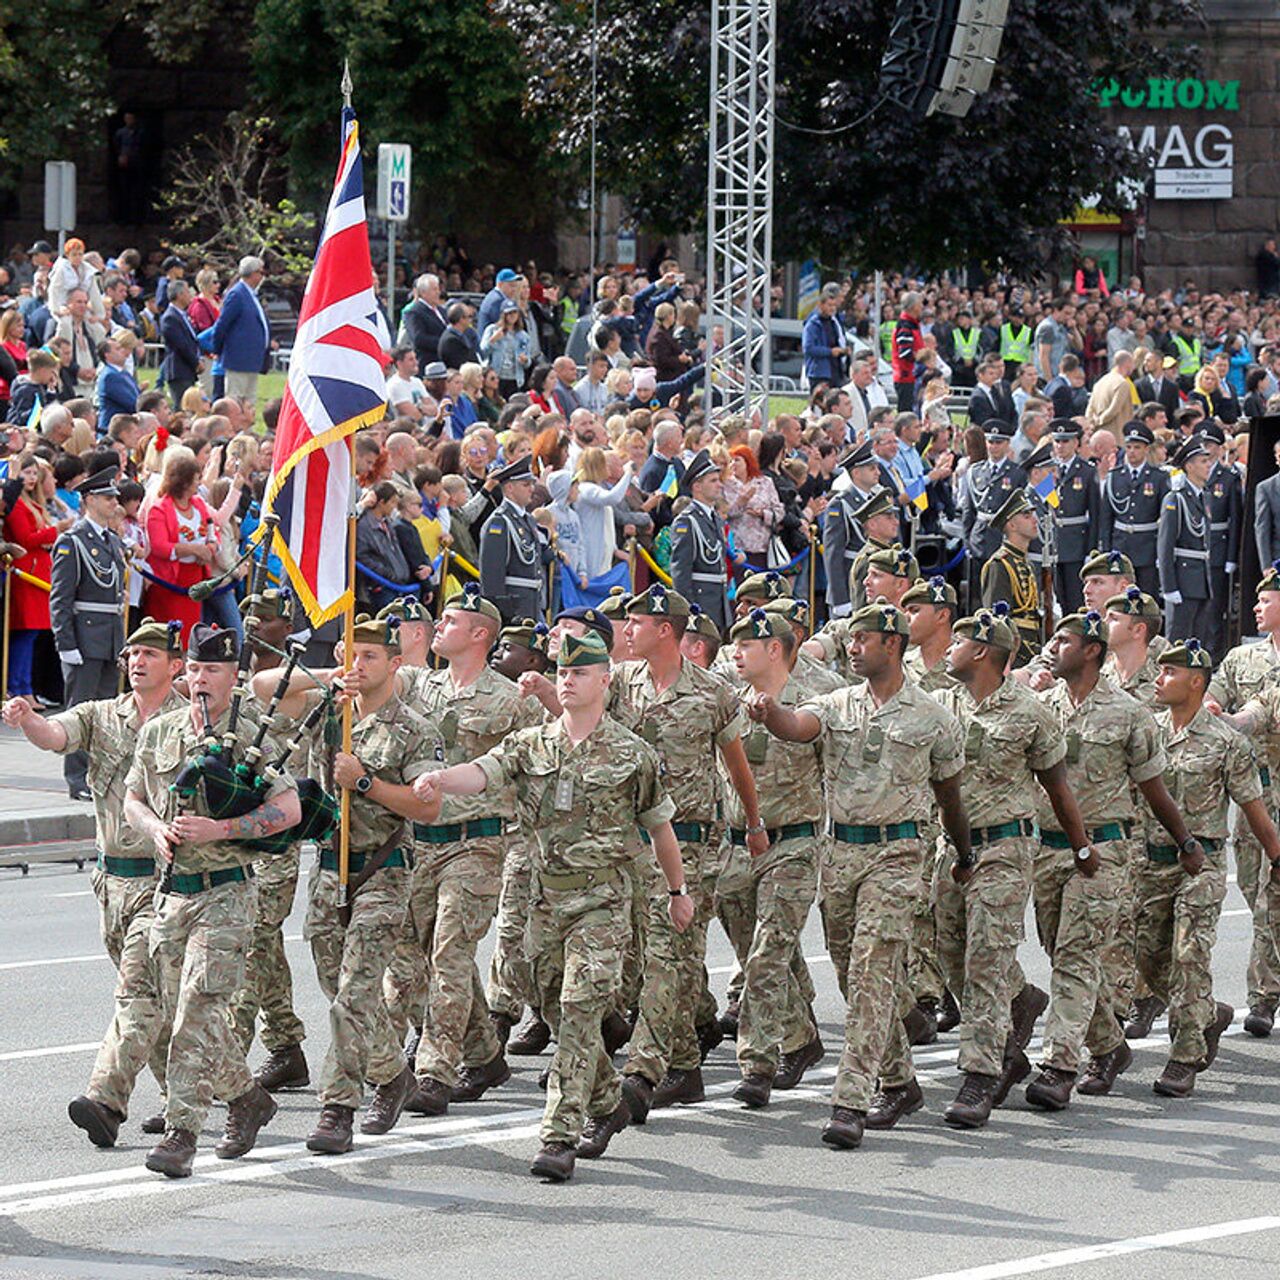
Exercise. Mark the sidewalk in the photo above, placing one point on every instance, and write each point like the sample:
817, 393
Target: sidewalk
35, 810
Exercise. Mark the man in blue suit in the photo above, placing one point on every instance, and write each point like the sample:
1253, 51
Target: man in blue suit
181, 350
118, 389
242, 336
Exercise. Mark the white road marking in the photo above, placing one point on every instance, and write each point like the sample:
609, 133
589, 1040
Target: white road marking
732, 968
97, 955
78, 893
50, 1051
1109, 1249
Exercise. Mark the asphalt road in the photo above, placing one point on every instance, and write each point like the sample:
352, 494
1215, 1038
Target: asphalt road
1132, 1185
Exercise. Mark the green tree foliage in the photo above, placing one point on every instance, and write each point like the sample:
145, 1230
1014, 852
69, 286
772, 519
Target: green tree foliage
892, 189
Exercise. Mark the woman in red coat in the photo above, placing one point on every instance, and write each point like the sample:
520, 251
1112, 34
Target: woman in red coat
28, 524
179, 529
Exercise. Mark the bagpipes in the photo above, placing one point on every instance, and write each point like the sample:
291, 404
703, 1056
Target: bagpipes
232, 788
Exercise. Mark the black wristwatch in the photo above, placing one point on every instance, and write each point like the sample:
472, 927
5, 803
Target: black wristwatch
363, 783
1185, 846
681, 892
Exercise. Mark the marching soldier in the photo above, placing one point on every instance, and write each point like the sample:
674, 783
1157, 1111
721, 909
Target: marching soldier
1133, 623
124, 881
988, 486
513, 555
701, 640
884, 745
1224, 501
1077, 515
582, 784
1008, 575
806, 668
842, 529
1183, 547
204, 921
86, 607
1111, 742
698, 545
1180, 894
878, 518
1129, 512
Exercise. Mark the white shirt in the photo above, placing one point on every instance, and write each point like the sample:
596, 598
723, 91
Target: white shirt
401, 389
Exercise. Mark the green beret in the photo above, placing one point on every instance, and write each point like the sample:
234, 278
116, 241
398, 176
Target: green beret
896, 560
759, 625
268, 604
212, 644
880, 616
990, 627
1088, 626
1107, 564
1135, 604
790, 607
1190, 654
614, 605
383, 631
407, 609
1270, 581
701, 624
528, 634
936, 590
763, 586
658, 602
165, 636
469, 600
582, 651
1014, 505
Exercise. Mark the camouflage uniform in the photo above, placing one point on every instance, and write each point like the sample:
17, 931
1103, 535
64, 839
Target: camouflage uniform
397, 745
457, 875
1244, 672
686, 724
1008, 737
200, 934
124, 884
1111, 742
877, 764
582, 803
1207, 765
770, 916
510, 986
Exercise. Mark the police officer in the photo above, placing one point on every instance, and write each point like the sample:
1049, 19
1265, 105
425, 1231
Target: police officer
1129, 514
1184, 547
989, 485
842, 532
86, 607
698, 543
1008, 575
1077, 518
513, 556
1224, 501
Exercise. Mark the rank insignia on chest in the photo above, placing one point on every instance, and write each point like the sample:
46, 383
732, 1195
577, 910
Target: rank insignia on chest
1217, 491
1148, 489
1077, 483
93, 551
1005, 482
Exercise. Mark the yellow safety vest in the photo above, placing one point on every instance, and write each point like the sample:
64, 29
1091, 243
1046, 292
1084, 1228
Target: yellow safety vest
1015, 346
966, 342
1188, 355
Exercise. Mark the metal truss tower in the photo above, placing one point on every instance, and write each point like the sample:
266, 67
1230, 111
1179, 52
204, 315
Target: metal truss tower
740, 200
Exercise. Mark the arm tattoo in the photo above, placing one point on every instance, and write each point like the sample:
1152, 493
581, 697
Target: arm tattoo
266, 820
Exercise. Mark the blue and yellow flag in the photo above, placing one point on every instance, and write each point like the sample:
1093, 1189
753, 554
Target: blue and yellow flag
917, 491
33, 418
670, 482
1047, 488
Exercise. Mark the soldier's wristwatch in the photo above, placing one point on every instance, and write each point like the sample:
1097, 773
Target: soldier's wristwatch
681, 892
1083, 853
363, 783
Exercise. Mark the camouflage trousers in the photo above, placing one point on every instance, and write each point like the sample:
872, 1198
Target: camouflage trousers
1253, 875
1076, 918
350, 963
675, 980
645, 878
577, 938
979, 927
510, 985
268, 980
198, 944
763, 904
138, 1034
925, 974
453, 895
867, 895
1177, 927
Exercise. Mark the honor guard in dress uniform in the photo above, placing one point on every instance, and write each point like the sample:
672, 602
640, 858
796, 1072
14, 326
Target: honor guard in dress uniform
1043, 551
1008, 576
1077, 519
1224, 500
86, 607
989, 485
698, 544
513, 557
1132, 495
842, 532
1184, 547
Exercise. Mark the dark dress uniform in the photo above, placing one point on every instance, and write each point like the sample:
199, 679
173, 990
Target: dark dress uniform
86, 612
842, 539
1077, 519
1184, 556
1129, 516
698, 552
1224, 500
513, 558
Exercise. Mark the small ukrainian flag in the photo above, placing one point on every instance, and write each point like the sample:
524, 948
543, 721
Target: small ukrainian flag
33, 418
917, 491
671, 482
1047, 488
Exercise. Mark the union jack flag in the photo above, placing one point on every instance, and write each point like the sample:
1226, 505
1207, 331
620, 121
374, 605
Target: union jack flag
335, 387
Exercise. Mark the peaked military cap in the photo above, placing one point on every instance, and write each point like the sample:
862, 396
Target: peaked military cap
658, 602
1107, 564
859, 455
528, 634
699, 465
582, 651
1190, 654
407, 609
999, 427
520, 469
383, 631
701, 624
763, 586
760, 625
596, 619
881, 616
469, 600
1014, 505
1065, 429
896, 560
105, 483
271, 603
1040, 456
212, 644
1088, 626
875, 505
1211, 429
1138, 432
1193, 448
936, 590
165, 636
990, 627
